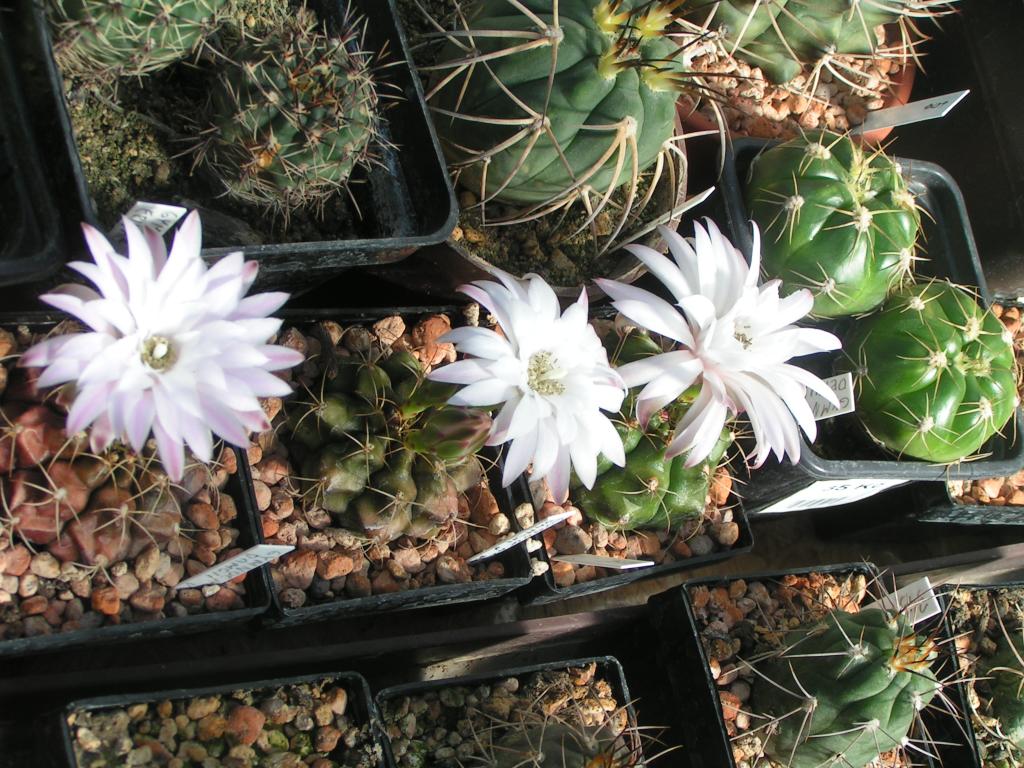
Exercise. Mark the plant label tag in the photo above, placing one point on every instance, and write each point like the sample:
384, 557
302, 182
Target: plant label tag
831, 493
917, 600
617, 563
241, 563
913, 112
523, 535
158, 217
842, 386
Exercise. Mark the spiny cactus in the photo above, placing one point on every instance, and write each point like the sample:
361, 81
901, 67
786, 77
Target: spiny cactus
128, 38
844, 690
383, 451
541, 104
293, 113
550, 742
650, 491
934, 372
787, 37
835, 219
1006, 668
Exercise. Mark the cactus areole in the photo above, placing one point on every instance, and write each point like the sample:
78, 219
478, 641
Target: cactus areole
934, 373
541, 100
845, 690
835, 219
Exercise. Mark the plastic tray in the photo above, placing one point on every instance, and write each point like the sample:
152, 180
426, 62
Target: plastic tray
358, 691
608, 668
681, 653
951, 254
515, 560
407, 201
28, 219
257, 582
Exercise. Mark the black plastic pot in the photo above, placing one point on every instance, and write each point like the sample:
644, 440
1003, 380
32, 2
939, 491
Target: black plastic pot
515, 560
608, 668
545, 590
681, 653
358, 696
257, 582
935, 504
951, 254
28, 219
406, 201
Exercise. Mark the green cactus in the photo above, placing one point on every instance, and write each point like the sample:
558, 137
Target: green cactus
554, 743
650, 491
539, 105
293, 114
383, 452
787, 37
834, 219
934, 373
128, 38
1006, 668
844, 690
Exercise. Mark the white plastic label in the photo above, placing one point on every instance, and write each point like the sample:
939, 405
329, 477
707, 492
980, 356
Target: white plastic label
523, 535
914, 112
158, 217
842, 386
917, 600
831, 493
618, 563
241, 563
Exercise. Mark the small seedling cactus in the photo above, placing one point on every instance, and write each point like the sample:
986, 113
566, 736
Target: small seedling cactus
650, 491
835, 219
101, 39
934, 373
1006, 669
552, 742
542, 104
787, 37
293, 114
844, 690
382, 450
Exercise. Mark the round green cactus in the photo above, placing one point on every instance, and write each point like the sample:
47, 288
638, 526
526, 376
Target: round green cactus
786, 37
843, 691
835, 219
115, 38
383, 451
542, 105
934, 373
294, 112
1006, 668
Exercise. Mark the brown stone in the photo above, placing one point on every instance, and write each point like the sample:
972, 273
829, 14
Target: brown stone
358, 585
34, 605
453, 570
384, 583
331, 565
106, 601
245, 724
149, 598
263, 495
16, 560
298, 568
203, 515
572, 540
272, 470
224, 599
563, 573
327, 739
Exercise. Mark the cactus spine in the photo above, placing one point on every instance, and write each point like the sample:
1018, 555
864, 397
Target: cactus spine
844, 690
1006, 668
383, 452
934, 373
541, 104
835, 219
107, 38
293, 112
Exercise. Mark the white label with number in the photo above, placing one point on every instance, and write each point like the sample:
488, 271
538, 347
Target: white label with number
914, 112
831, 493
158, 217
523, 535
917, 600
617, 563
842, 386
241, 563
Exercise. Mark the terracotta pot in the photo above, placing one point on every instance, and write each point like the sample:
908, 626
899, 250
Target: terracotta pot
694, 121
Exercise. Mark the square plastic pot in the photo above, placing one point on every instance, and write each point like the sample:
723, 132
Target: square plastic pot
698, 711
406, 201
359, 699
952, 254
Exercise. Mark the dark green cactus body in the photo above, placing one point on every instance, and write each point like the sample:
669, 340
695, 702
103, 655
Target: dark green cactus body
294, 113
387, 471
783, 37
845, 690
551, 745
1007, 684
583, 88
114, 38
934, 373
835, 220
